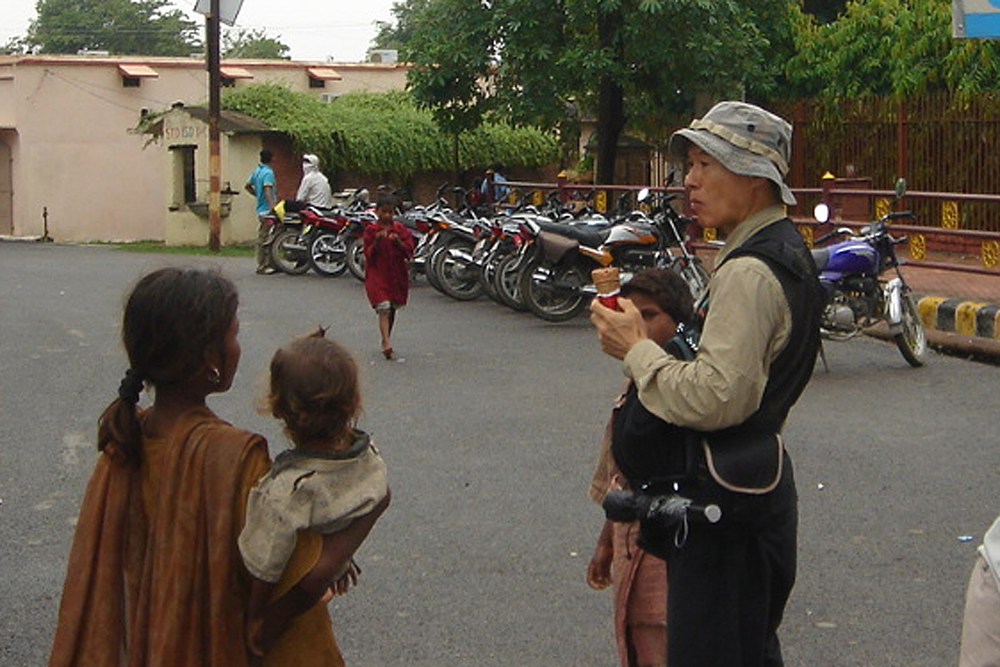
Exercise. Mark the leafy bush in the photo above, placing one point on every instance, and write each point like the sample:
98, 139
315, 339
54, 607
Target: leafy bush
386, 133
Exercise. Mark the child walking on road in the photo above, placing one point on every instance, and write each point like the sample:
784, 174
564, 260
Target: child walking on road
388, 247
309, 514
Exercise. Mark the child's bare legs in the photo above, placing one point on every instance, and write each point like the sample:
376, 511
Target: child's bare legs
385, 328
386, 320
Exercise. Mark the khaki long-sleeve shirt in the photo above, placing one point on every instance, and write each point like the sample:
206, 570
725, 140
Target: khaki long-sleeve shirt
747, 326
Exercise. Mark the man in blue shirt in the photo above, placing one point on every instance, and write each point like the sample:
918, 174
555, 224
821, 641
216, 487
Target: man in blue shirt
262, 184
500, 189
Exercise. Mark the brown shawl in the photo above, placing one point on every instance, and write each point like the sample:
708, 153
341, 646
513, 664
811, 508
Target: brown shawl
167, 589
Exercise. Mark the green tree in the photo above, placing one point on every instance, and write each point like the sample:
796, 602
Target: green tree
545, 61
14, 46
243, 43
890, 47
147, 27
450, 75
397, 34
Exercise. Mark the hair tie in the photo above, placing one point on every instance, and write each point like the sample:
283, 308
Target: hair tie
131, 387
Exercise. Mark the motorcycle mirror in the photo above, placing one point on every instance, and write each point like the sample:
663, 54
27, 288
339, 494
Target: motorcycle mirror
821, 212
900, 188
643, 195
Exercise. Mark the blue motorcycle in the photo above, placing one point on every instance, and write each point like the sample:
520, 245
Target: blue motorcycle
858, 296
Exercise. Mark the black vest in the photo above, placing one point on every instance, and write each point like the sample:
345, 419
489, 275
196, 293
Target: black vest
652, 453
747, 457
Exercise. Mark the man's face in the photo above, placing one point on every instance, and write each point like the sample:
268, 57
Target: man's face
719, 198
385, 213
660, 327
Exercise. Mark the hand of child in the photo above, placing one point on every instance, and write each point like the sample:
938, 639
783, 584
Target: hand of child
255, 643
347, 580
599, 568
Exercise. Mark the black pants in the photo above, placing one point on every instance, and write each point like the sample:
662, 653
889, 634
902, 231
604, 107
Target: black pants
729, 582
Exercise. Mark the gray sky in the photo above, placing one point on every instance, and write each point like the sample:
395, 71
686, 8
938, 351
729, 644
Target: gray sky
340, 30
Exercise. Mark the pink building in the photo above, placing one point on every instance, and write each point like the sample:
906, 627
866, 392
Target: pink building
71, 160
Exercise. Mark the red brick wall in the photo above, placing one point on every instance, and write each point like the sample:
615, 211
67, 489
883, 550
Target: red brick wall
286, 163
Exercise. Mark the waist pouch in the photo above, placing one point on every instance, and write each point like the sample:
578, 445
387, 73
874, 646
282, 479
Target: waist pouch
744, 461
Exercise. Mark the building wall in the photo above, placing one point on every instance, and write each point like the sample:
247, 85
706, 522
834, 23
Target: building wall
66, 122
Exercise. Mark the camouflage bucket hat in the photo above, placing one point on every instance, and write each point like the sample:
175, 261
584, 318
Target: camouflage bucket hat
746, 139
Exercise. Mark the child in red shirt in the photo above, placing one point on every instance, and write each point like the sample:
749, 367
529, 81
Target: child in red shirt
388, 247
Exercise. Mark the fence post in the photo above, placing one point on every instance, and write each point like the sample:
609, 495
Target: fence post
799, 147
829, 180
901, 152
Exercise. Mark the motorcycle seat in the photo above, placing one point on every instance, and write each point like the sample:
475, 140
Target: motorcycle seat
586, 236
325, 212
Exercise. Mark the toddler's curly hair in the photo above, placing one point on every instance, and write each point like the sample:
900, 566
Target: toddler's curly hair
314, 390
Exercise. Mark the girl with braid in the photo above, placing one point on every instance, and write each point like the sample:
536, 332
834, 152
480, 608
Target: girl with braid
155, 553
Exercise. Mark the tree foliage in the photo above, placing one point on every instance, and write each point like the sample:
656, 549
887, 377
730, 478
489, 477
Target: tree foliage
890, 47
386, 133
396, 35
146, 27
449, 77
548, 61
243, 43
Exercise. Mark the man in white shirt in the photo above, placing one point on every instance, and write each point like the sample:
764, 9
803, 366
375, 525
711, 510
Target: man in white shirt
314, 189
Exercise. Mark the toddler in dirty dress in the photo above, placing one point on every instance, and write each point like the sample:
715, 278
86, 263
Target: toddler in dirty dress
332, 477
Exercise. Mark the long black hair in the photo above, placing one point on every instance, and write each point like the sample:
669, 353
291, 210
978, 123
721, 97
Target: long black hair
172, 317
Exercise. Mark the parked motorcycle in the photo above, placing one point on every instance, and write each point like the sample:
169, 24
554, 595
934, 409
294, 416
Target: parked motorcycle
555, 281
321, 239
857, 296
288, 251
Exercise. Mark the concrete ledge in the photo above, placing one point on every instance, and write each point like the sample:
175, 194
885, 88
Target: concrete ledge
983, 349
965, 318
22, 239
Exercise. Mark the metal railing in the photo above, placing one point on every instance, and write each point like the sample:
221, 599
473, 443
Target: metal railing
944, 238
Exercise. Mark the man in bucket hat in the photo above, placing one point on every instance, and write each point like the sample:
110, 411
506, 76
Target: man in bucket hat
729, 581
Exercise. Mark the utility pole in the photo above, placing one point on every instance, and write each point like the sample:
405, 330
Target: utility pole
214, 153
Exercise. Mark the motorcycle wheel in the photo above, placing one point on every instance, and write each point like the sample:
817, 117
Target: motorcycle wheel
550, 303
327, 255
506, 281
288, 252
434, 259
487, 273
912, 340
458, 280
355, 256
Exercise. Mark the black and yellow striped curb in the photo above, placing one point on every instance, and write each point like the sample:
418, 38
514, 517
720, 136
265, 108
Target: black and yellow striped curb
967, 318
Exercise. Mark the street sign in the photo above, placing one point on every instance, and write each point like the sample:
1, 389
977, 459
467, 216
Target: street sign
228, 9
975, 19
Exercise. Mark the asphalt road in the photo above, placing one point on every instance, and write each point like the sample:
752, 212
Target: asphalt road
490, 426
